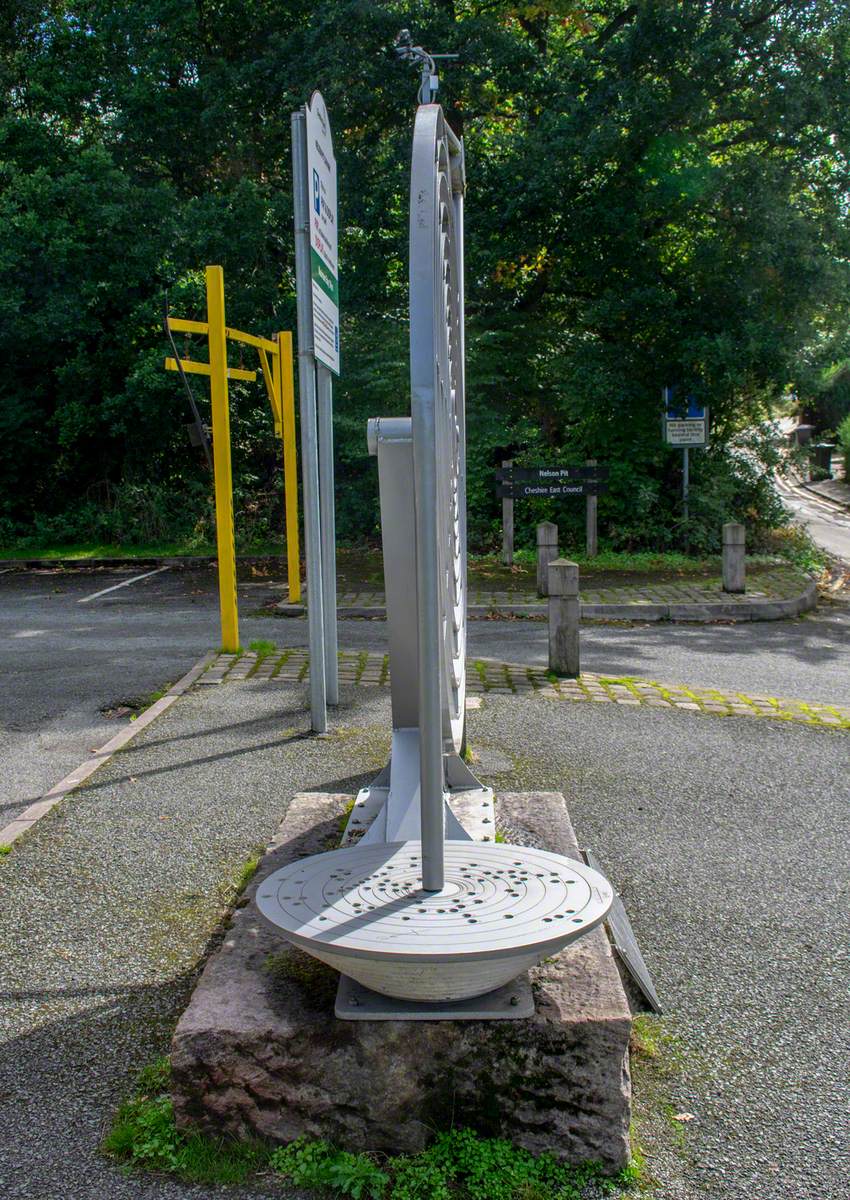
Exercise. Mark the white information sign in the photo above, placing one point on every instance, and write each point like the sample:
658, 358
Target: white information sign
686, 432
324, 265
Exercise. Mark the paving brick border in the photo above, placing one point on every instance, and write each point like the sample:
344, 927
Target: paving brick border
774, 595
490, 677
25, 821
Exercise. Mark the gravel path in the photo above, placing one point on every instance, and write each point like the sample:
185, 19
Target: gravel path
728, 843
728, 840
106, 909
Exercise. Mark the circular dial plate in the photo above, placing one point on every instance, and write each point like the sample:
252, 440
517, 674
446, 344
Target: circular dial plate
497, 900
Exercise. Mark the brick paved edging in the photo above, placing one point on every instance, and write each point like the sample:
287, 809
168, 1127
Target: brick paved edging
490, 677
669, 602
23, 823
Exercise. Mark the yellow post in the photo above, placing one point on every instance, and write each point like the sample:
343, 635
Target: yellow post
221, 458
286, 399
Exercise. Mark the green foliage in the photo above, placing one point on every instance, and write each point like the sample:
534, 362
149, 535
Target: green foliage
262, 647
795, 544
145, 1135
459, 1165
844, 443
318, 1165
657, 195
246, 873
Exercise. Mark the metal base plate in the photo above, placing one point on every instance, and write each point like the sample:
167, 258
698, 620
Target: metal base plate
513, 1001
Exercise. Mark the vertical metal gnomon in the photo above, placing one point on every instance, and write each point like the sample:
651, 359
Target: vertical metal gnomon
428, 686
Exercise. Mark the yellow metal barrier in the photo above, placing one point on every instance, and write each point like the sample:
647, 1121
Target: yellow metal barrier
277, 367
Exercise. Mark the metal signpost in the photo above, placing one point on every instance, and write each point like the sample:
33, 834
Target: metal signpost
423, 921
686, 426
317, 285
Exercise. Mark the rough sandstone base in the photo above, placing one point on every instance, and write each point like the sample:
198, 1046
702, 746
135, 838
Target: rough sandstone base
259, 1051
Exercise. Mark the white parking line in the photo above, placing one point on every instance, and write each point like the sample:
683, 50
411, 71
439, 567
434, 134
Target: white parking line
126, 583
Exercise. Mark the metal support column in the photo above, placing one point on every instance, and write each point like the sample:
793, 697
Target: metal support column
309, 430
324, 390
220, 402
286, 397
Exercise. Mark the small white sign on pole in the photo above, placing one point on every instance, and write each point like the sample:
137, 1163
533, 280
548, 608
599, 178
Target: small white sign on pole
324, 264
687, 432
685, 421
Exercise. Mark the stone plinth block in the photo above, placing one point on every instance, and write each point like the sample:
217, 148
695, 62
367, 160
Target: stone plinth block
258, 1052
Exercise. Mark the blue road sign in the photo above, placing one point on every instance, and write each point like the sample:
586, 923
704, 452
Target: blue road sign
682, 409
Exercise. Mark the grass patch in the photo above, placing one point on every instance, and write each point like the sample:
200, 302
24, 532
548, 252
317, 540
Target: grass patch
5, 850
144, 1134
647, 1038
246, 873
81, 551
189, 547
262, 648
795, 545
459, 1165
344, 815
615, 560
657, 1058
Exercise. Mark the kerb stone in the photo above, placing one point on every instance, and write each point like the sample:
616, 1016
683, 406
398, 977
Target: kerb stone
258, 1052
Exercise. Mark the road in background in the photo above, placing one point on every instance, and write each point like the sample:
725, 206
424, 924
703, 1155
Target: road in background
62, 663
827, 524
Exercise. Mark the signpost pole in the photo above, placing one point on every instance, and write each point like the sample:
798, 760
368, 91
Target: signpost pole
327, 523
685, 493
309, 430
686, 425
507, 522
590, 519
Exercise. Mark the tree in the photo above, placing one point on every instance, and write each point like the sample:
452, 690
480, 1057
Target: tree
657, 195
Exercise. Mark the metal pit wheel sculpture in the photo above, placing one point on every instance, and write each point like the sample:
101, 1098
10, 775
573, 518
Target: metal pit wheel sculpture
427, 908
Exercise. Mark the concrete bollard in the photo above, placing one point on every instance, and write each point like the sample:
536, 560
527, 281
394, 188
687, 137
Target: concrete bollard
734, 549
547, 550
564, 616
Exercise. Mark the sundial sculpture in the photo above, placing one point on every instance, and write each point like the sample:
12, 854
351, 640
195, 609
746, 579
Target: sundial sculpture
417, 910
